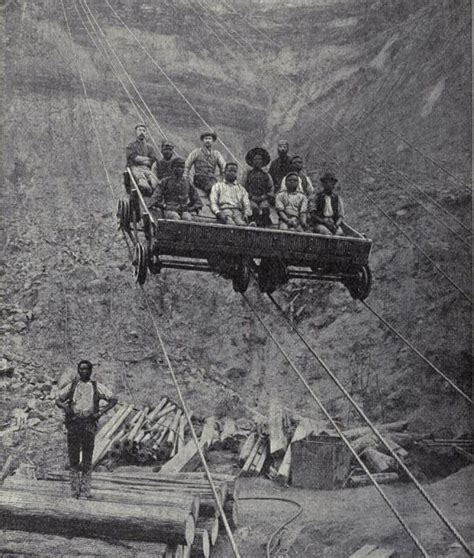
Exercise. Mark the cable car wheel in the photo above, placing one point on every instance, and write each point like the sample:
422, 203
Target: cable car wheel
123, 215
139, 263
241, 274
271, 274
359, 286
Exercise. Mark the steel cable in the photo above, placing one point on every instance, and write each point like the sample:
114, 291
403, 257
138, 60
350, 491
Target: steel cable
168, 362
337, 428
416, 351
167, 77
374, 429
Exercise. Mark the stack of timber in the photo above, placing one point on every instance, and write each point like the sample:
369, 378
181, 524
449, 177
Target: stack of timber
268, 448
142, 436
179, 493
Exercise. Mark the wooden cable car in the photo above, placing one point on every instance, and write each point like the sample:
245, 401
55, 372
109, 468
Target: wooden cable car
274, 256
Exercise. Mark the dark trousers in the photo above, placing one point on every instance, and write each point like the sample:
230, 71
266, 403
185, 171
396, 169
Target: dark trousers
204, 182
80, 437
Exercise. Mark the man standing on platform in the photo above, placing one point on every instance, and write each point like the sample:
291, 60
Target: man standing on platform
280, 166
80, 400
141, 156
205, 160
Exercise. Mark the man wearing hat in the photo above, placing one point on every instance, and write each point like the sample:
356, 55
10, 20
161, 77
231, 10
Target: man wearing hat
141, 156
305, 186
175, 197
259, 185
280, 166
291, 205
80, 400
229, 200
205, 160
162, 168
326, 208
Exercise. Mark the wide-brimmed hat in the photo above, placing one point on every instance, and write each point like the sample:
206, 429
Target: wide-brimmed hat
208, 133
328, 177
257, 151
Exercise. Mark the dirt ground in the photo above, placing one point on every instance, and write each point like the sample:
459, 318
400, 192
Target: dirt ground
333, 524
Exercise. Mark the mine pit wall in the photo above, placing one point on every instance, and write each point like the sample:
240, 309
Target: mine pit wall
63, 252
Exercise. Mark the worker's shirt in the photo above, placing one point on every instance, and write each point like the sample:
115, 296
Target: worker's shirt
293, 204
83, 397
227, 195
205, 162
327, 206
141, 148
259, 184
163, 168
279, 168
175, 194
305, 186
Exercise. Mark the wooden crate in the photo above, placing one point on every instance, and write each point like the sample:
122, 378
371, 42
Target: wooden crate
322, 463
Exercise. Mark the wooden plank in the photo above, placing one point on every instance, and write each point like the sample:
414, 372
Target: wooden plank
278, 439
187, 459
75, 518
247, 447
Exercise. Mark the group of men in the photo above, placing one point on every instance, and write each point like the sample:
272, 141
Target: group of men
170, 193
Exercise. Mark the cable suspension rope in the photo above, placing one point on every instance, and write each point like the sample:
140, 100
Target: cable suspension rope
399, 228
303, 96
168, 362
410, 144
374, 429
191, 427
416, 351
172, 83
337, 428
85, 7
101, 153
140, 112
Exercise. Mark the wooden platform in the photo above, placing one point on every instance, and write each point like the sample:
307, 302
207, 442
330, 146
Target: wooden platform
176, 512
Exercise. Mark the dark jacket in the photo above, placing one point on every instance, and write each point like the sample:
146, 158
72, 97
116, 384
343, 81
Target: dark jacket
317, 205
175, 195
279, 168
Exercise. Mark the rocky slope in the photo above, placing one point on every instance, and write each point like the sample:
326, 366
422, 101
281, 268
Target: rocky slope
66, 283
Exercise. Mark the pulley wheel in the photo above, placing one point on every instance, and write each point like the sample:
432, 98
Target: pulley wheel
241, 275
359, 287
123, 215
139, 263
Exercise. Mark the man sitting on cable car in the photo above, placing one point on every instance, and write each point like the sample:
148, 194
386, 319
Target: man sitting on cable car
205, 160
175, 197
141, 156
326, 208
229, 200
259, 185
162, 167
305, 185
291, 205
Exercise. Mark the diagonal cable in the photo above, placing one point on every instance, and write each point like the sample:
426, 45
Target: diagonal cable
374, 429
337, 428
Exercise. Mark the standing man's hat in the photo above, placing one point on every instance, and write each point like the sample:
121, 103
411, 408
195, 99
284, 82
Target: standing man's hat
164, 143
328, 177
208, 133
257, 151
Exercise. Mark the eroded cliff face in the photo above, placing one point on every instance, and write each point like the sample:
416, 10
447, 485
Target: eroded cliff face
67, 284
